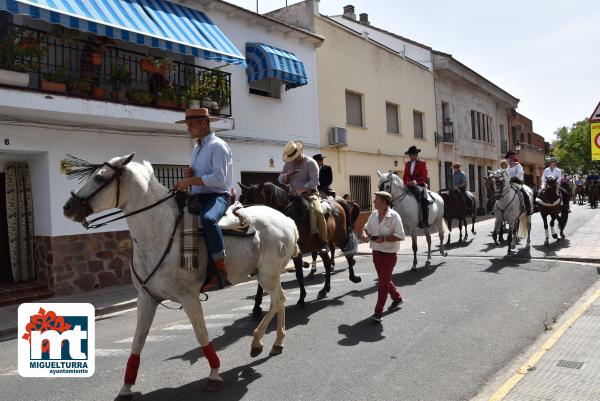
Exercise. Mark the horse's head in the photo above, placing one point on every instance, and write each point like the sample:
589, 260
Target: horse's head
251, 194
297, 210
101, 189
390, 183
500, 181
551, 183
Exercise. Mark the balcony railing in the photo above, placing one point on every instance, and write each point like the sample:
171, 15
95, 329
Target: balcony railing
60, 62
448, 137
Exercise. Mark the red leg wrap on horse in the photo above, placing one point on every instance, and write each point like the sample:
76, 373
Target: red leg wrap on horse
211, 355
133, 363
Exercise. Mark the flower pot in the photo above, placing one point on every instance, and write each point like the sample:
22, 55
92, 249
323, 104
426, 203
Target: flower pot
96, 58
150, 67
171, 104
98, 92
14, 78
53, 86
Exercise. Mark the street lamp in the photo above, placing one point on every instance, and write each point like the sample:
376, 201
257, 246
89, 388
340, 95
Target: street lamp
448, 131
518, 147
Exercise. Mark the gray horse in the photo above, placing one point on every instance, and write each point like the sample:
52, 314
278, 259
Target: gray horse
132, 187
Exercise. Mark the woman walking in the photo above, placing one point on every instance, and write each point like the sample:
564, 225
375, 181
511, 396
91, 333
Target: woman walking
384, 229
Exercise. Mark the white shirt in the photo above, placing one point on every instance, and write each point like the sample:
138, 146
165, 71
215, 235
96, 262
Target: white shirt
551, 173
212, 160
516, 171
390, 225
412, 166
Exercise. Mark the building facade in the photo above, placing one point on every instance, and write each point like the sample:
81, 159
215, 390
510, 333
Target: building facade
38, 126
381, 101
529, 146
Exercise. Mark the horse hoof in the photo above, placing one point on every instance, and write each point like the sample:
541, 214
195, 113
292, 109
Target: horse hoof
276, 350
256, 313
413, 269
300, 304
444, 254
546, 243
254, 352
124, 397
322, 294
562, 236
428, 263
355, 279
311, 275
213, 385
555, 236
305, 265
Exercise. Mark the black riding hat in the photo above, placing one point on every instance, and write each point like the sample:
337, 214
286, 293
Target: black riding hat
413, 150
509, 153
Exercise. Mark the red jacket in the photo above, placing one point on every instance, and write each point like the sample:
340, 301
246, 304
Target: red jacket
419, 174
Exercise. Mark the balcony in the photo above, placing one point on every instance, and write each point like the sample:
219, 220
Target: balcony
530, 154
62, 62
448, 133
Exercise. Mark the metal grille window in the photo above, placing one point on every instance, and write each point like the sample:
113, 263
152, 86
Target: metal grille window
471, 178
418, 123
448, 174
168, 174
360, 191
354, 114
391, 113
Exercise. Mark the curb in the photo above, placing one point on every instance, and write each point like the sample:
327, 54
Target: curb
11, 332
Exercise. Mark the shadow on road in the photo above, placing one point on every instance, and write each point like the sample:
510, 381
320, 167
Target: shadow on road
550, 250
516, 260
235, 386
459, 244
366, 331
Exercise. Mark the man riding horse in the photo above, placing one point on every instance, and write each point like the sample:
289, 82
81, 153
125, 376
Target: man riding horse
460, 183
551, 171
325, 177
415, 178
517, 175
301, 174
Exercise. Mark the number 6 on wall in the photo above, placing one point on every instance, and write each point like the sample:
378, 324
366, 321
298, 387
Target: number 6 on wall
7, 141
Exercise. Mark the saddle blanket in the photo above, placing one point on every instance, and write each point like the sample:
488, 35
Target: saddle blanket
234, 219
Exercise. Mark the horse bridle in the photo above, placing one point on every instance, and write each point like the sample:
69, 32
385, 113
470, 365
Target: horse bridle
398, 198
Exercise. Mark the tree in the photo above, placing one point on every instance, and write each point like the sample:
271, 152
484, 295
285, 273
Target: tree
573, 149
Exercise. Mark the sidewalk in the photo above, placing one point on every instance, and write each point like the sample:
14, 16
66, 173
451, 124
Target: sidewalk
567, 365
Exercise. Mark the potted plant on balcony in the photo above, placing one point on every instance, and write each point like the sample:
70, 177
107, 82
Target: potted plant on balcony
97, 46
199, 90
139, 96
19, 54
220, 92
56, 81
65, 35
167, 97
79, 86
120, 79
158, 66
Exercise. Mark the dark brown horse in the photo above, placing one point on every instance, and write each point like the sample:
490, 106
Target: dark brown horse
549, 204
455, 207
339, 231
491, 202
593, 192
580, 194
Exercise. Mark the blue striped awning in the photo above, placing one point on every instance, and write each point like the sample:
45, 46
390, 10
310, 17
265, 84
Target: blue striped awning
153, 23
264, 61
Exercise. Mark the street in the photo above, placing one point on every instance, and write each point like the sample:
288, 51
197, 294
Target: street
463, 320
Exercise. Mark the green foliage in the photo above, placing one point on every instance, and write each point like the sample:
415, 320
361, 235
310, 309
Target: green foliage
60, 75
120, 77
139, 96
21, 51
79, 85
573, 149
65, 35
211, 85
167, 93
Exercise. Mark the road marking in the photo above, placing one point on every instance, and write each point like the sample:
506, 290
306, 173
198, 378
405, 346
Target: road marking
111, 351
249, 307
520, 374
224, 316
14, 372
149, 339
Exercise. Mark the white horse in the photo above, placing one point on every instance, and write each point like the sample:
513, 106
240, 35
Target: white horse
409, 209
510, 208
133, 186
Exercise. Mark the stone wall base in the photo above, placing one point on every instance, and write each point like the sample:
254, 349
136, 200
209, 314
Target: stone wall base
78, 263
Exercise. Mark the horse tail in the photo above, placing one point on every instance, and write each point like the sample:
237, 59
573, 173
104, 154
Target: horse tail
351, 245
524, 222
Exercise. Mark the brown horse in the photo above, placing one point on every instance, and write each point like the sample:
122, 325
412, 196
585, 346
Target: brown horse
455, 207
580, 194
549, 204
593, 192
339, 232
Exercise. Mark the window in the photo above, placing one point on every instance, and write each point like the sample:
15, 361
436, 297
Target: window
471, 178
418, 123
448, 174
354, 114
480, 185
268, 87
473, 131
529, 138
513, 130
445, 112
391, 115
479, 126
360, 191
168, 174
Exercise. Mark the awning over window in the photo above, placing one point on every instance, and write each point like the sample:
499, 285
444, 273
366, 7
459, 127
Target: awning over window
265, 61
153, 23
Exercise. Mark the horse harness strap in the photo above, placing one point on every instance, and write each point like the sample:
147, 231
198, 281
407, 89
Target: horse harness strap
509, 203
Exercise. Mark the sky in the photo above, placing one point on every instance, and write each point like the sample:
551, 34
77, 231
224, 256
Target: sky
543, 52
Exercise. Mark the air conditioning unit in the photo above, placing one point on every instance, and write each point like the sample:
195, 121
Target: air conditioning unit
338, 137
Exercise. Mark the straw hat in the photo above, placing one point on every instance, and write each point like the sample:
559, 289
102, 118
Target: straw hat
385, 195
456, 165
197, 115
292, 150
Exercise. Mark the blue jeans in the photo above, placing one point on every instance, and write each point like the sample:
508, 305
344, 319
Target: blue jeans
214, 207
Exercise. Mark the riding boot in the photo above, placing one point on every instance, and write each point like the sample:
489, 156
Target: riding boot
526, 201
424, 223
219, 280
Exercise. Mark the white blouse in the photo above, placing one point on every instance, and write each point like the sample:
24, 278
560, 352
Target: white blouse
390, 225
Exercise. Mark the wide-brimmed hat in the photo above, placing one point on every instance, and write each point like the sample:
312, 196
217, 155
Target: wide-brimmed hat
197, 115
456, 165
413, 150
551, 159
292, 150
509, 154
319, 156
385, 195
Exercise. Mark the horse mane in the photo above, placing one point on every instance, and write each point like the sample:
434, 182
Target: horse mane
273, 195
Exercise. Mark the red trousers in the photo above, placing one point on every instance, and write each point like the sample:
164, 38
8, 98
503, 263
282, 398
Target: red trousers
384, 264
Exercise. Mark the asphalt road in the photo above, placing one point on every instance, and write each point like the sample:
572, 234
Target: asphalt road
463, 320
